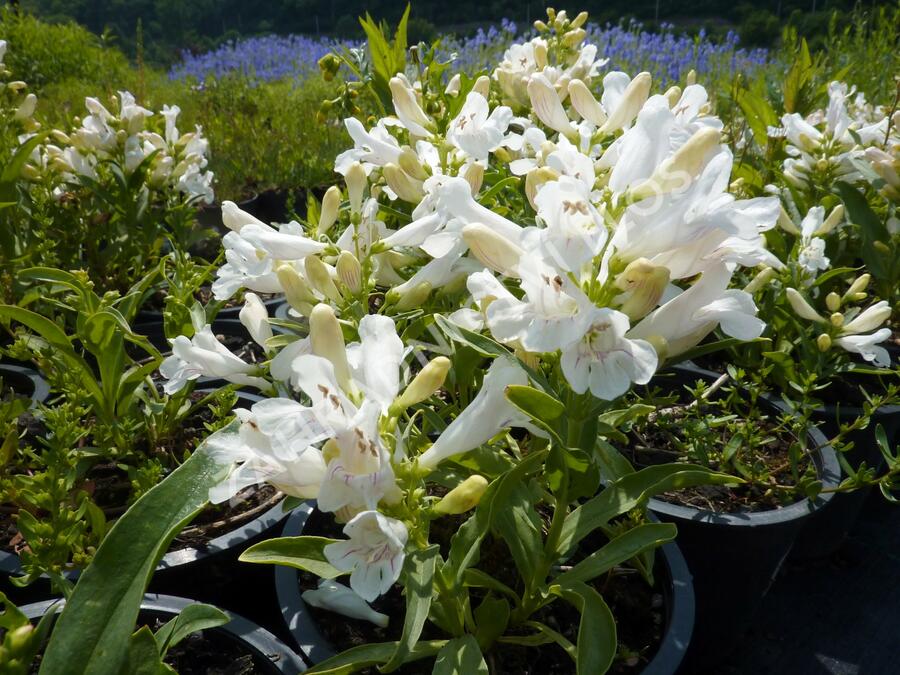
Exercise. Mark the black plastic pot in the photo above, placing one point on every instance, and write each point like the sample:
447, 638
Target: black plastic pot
678, 595
282, 313
25, 382
148, 317
156, 333
270, 655
734, 557
210, 572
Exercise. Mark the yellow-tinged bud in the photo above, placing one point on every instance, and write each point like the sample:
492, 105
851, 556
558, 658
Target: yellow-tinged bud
530, 359
404, 186
881, 247
691, 77
585, 104
540, 26
409, 161
329, 65
835, 217
761, 279
858, 286
493, 250
833, 302
296, 291
414, 297
786, 224
30, 172
474, 175
574, 37
60, 137
463, 497
349, 271
330, 450
633, 98
802, 308
822, 165
673, 95
535, 178
453, 86
579, 20
16, 85
406, 104
331, 204
356, 186
836, 319
327, 340
551, 13
428, 380
540, 55
682, 167
27, 107
503, 155
319, 278
482, 86
824, 342
644, 284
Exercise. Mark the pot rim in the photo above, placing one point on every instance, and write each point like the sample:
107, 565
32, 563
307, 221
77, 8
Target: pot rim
679, 594
40, 386
265, 645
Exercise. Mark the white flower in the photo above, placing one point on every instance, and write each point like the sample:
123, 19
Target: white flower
575, 231
483, 418
243, 268
872, 317
273, 445
868, 346
170, 113
407, 107
234, 218
375, 359
204, 355
373, 148
255, 318
373, 555
812, 253
338, 598
605, 361
476, 133
288, 243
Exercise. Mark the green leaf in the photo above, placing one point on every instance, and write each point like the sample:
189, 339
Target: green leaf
491, 620
460, 656
366, 656
475, 578
518, 523
632, 491
871, 228
621, 549
143, 654
535, 403
304, 553
92, 633
597, 642
191, 619
480, 343
419, 587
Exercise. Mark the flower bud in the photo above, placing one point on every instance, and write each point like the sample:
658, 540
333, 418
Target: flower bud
579, 20
682, 166
786, 224
27, 107
574, 37
16, 85
881, 247
408, 108
633, 98
870, 319
540, 26
329, 66
474, 175
410, 163
493, 250
858, 286
673, 95
428, 380
801, 307
30, 172
833, 302
296, 290
327, 340
835, 217
547, 106
661, 345
760, 280
644, 284
540, 54
535, 178
691, 77
463, 497
823, 342
404, 186
331, 204
255, 318
319, 278
482, 86
585, 104
356, 186
349, 272
836, 319
452, 88
414, 297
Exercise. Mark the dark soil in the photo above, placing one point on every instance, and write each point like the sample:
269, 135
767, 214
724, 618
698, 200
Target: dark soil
216, 520
157, 301
638, 608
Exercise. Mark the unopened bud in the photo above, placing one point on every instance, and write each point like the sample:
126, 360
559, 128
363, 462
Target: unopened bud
691, 77
579, 20
16, 85
320, 278
633, 98
644, 284
414, 297
801, 307
356, 186
540, 54
474, 175
833, 302
835, 217
585, 104
673, 95
463, 497
60, 137
30, 172
786, 224
574, 37
329, 65
824, 342
761, 279
492, 249
331, 204
349, 271
327, 340
881, 247
540, 26
836, 319
453, 86
27, 107
404, 186
858, 286
682, 167
296, 290
535, 178
405, 102
482, 86
428, 381
410, 163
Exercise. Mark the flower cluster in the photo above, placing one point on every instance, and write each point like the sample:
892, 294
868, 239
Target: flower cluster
16, 98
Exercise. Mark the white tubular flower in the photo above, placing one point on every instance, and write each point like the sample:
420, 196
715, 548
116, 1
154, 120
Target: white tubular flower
274, 445
373, 555
331, 204
474, 131
373, 148
408, 109
801, 133
868, 346
205, 356
547, 106
554, 314
605, 361
575, 231
327, 341
339, 599
375, 360
872, 317
356, 180
255, 318
170, 113
623, 108
812, 254
487, 415
682, 322
288, 243
243, 268
234, 218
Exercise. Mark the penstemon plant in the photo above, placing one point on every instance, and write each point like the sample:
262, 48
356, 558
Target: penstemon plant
509, 256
